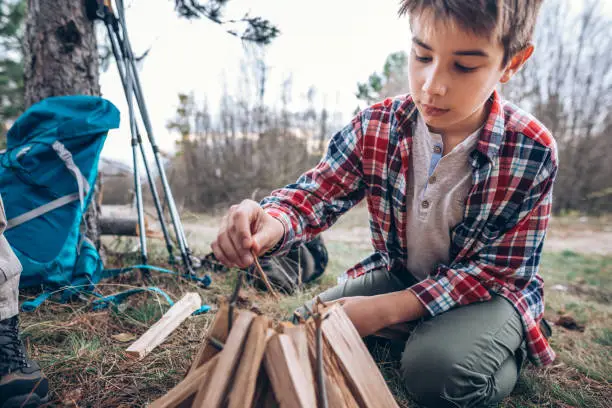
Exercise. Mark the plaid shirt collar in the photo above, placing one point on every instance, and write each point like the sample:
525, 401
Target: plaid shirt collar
491, 136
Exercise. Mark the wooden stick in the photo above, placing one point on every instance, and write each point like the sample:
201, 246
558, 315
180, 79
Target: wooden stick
243, 389
180, 394
298, 336
157, 333
263, 276
338, 391
211, 394
291, 387
367, 383
218, 332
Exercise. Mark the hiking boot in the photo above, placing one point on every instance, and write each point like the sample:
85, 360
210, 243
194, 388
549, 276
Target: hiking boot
22, 384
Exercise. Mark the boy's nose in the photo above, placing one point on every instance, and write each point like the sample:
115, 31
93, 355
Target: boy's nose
434, 86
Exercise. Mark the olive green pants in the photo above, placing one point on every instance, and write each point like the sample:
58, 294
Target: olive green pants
470, 356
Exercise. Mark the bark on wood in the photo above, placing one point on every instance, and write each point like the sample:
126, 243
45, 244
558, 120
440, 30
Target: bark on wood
365, 379
119, 226
291, 387
212, 393
126, 226
61, 58
157, 333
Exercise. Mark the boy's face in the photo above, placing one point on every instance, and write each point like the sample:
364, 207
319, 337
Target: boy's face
452, 73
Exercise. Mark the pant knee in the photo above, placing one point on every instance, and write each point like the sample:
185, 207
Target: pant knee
425, 377
435, 378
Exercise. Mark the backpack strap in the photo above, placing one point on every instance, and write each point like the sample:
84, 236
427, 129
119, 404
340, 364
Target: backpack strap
43, 209
82, 184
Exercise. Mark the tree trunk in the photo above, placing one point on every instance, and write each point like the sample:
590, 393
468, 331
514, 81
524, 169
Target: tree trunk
61, 58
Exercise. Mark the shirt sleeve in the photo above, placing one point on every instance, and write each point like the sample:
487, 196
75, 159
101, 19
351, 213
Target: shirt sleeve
507, 260
315, 201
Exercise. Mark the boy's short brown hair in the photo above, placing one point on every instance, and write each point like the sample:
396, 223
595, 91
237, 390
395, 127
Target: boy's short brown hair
511, 21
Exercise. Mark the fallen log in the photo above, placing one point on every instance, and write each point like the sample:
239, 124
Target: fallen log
125, 226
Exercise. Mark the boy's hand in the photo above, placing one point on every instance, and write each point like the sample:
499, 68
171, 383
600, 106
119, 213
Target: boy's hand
363, 314
370, 314
246, 227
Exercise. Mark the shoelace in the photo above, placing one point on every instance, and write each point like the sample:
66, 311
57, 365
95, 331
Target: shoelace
12, 356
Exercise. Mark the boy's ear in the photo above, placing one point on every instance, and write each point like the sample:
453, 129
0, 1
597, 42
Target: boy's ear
516, 62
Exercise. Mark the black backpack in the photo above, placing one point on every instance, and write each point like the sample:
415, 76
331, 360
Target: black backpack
287, 273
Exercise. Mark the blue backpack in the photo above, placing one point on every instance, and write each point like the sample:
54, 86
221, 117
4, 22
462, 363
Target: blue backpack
47, 175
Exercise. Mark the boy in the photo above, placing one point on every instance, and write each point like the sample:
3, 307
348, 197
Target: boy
22, 384
458, 185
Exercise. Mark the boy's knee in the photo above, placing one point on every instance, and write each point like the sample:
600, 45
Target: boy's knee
437, 378
425, 373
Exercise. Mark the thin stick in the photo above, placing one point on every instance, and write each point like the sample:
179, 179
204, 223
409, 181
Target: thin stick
232, 301
263, 276
320, 373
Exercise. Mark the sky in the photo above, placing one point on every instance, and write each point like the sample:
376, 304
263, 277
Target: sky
331, 44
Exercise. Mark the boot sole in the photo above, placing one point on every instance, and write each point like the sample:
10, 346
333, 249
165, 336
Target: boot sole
19, 401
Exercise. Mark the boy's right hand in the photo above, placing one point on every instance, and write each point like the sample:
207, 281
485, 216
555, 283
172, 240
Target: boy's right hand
246, 227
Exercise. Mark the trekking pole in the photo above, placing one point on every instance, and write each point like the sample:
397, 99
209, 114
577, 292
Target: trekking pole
178, 227
134, 132
102, 9
110, 21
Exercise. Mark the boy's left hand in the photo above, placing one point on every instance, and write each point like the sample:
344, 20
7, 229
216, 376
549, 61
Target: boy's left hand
363, 313
370, 314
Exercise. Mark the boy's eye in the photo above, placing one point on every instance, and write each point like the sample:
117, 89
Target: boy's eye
422, 59
463, 68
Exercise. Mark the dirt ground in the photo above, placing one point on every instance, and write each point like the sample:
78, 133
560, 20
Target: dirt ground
578, 234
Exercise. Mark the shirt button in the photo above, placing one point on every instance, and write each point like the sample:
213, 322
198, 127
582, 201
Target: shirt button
432, 179
425, 204
437, 149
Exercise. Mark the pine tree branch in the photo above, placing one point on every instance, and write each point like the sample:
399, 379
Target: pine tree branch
259, 31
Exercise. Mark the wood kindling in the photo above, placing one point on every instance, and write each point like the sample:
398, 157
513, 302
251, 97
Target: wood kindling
157, 333
258, 366
292, 388
369, 389
248, 370
183, 393
213, 391
217, 335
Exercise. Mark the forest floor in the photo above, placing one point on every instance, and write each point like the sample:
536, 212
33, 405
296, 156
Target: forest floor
82, 351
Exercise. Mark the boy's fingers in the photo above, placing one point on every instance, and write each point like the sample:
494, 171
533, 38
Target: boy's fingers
241, 229
219, 254
226, 245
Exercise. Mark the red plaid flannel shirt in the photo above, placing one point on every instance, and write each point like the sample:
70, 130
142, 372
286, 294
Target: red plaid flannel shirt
497, 246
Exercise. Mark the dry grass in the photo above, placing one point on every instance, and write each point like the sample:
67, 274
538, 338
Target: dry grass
87, 367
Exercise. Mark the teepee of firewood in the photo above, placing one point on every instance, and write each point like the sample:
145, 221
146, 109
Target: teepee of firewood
250, 362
